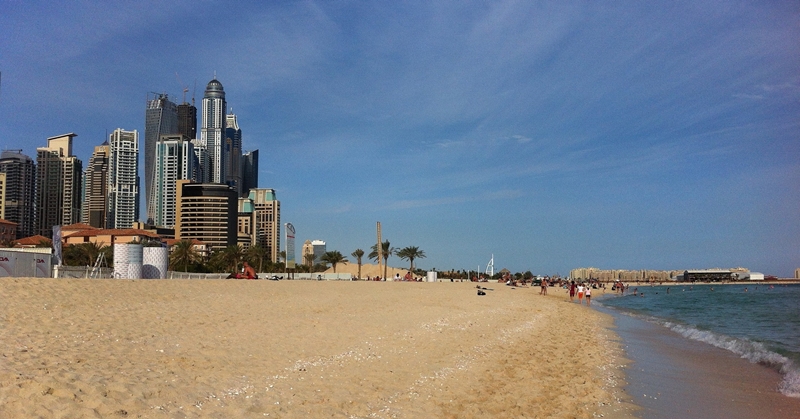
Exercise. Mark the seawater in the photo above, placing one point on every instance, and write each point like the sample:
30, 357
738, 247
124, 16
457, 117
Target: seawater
758, 322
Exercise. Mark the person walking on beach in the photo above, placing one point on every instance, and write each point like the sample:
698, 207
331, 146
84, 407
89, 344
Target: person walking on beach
580, 293
588, 295
572, 291
544, 287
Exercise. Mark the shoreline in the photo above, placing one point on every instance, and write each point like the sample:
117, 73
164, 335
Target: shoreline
221, 348
672, 376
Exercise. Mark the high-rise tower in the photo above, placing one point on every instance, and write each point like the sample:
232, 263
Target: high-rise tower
161, 118
233, 151
123, 179
20, 190
175, 160
212, 131
95, 202
249, 172
187, 120
58, 185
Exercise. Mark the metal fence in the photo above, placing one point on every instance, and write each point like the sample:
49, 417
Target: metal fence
82, 272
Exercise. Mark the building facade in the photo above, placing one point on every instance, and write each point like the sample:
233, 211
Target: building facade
161, 118
175, 160
212, 131
95, 195
58, 185
8, 231
206, 212
20, 191
2, 195
123, 179
249, 171
266, 221
187, 120
319, 249
233, 152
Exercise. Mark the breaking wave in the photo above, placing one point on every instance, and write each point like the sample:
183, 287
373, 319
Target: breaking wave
754, 352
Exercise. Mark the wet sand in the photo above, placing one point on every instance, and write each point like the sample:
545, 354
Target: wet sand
670, 376
74, 348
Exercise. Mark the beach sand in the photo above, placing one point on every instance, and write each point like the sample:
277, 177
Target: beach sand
74, 348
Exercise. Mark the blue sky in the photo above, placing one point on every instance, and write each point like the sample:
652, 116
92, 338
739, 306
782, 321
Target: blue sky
554, 135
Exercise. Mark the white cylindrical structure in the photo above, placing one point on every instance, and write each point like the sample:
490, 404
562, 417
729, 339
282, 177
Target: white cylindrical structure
155, 261
432, 276
127, 261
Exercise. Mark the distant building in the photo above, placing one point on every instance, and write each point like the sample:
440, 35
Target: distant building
161, 118
319, 249
175, 160
8, 231
212, 131
249, 171
797, 273
307, 252
202, 162
233, 153
58, 185
708, 275
123, 179
260, 220
206, 212
3, 195
267, 221
20, 191
187, 120
109, 236
95, 201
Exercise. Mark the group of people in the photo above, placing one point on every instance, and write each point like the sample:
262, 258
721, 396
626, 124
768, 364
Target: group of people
581, 290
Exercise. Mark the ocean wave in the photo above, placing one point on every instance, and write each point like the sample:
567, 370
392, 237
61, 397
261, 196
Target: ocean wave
754, 352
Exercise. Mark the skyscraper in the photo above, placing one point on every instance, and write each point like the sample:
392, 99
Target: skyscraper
249, 171
187, 120
123, 179
58, 185
175, 160
161, 118
95, 202
233, 151
212, 131
206, 212
266, 221
20, 185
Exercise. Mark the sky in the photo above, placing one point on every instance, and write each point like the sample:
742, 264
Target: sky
549, 135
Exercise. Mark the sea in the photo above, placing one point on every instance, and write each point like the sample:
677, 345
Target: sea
756, 322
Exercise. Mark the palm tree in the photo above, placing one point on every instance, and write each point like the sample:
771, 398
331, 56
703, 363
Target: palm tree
92, 250
231, 257
8, 243
410, 253
333, 257
183, 254
388, 250
358, 254
309, 259
256, 255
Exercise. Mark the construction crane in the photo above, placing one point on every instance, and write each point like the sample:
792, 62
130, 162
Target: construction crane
185, 88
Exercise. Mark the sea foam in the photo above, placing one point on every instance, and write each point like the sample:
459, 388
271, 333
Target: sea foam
754, 352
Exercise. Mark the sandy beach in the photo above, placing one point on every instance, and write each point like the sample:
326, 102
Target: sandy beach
292, 349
